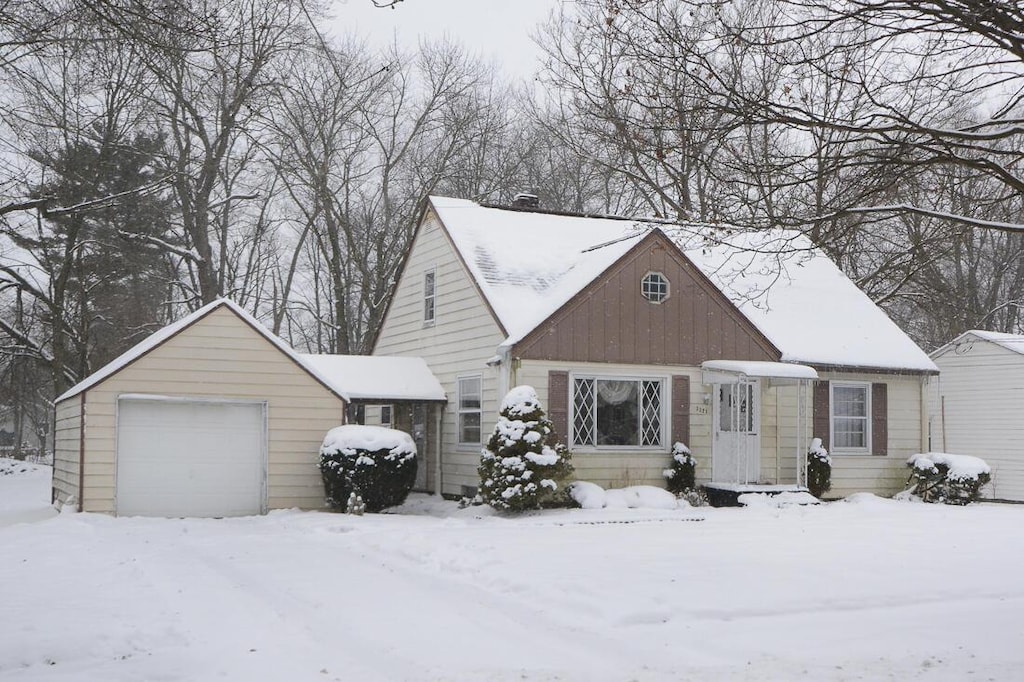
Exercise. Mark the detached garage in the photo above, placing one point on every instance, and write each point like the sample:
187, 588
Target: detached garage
211, 416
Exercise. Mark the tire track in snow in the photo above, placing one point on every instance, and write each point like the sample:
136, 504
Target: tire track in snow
591, 654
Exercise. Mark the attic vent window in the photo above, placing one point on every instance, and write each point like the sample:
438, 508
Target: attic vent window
654, 287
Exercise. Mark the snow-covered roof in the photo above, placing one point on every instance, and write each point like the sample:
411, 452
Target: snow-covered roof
161, 335
528, 264
1011, 342
368, 377
760, 370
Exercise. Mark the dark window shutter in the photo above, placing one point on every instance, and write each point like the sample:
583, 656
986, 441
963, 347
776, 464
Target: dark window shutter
879, 419
558, 404
821, 419
681, 409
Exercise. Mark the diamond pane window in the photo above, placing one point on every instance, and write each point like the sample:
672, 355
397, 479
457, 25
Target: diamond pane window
583, 409
617, 412
650, 416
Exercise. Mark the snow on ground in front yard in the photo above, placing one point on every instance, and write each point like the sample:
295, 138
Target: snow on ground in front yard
868, 589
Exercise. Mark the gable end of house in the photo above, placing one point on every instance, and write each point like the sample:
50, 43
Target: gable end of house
611, 321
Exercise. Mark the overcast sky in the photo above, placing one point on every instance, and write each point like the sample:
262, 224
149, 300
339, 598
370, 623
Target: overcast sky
493, 29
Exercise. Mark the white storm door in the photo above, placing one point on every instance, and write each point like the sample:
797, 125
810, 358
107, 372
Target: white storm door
736, 443
200, 458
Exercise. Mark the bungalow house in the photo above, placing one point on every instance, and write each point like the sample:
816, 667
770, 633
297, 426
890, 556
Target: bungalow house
977, 404
216, 416
639, 333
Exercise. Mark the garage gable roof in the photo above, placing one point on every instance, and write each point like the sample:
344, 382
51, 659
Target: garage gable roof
1011, 342
162, 335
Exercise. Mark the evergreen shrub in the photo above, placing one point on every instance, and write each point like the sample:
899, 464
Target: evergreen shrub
681, 475
524, 466
819, 469
373, 463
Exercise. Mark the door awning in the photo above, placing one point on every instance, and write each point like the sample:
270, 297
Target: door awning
732, 371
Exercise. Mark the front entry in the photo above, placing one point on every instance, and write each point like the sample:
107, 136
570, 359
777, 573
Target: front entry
736, 446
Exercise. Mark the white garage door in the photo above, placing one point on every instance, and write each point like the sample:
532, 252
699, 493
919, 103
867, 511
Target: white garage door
190, 458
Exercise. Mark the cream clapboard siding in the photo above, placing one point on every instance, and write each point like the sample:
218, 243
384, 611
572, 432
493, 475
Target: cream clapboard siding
779, 442
462, 338
982, 384
908, 434
220, 356
66, 449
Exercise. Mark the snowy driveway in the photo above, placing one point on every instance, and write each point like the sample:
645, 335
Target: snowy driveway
867, 590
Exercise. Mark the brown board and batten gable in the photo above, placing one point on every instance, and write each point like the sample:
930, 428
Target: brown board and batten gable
610, 321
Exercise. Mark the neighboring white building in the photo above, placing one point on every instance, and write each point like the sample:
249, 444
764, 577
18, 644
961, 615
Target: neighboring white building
978, 405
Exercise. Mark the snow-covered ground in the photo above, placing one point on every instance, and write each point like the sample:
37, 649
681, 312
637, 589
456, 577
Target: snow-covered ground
867, 589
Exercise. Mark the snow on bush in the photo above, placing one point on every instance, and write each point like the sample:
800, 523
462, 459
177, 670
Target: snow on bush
640, 497
523, 466
587, 495
784, 499
680, 475
375, 463
592, 496
819, 469
946, 478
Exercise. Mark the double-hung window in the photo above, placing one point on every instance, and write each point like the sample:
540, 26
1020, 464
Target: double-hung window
851, 417
429, 296
469, 399
618, 412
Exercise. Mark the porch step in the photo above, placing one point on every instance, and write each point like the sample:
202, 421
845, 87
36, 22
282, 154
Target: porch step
727, 494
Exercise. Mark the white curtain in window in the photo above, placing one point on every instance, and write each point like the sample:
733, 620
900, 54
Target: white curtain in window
615, 392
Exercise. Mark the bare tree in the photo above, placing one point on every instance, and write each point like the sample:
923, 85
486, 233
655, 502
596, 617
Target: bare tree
360, 141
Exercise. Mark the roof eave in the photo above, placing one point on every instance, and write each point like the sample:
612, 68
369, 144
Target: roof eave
871, 369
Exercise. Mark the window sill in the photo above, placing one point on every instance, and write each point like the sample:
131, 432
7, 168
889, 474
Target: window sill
614, 449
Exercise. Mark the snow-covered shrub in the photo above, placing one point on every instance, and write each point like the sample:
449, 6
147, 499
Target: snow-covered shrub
371, 462
945, 478
681, 474
819, 469
524, 466
695, 497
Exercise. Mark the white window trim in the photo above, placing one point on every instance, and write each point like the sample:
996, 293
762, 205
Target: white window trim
668, 287
460, 444
664, 415
866, 385
429, 322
